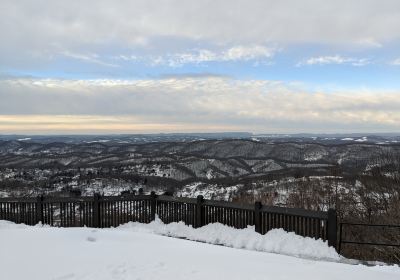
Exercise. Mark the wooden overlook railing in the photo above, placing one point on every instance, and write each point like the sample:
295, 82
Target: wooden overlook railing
110, 211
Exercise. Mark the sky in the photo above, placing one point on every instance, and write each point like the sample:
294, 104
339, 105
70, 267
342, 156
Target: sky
144, 66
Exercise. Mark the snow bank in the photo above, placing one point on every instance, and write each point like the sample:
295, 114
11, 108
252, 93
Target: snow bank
275, 241
11, 225
48, 253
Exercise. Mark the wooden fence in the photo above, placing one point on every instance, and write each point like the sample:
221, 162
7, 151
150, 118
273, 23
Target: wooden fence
361, 241
110, 211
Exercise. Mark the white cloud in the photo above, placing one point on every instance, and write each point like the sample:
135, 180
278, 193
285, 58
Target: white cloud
335, 59
247, 53
370, 42
396, 62
197, 103
360, 62
90, 58
28, 27
326, 60
256, 53
225, 21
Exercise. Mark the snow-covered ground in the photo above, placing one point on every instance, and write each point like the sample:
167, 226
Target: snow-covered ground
137, 251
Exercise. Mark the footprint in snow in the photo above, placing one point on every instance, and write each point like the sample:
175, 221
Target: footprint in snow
91, 239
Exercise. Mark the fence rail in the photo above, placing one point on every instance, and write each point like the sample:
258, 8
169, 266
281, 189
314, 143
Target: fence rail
342, 240
111, 211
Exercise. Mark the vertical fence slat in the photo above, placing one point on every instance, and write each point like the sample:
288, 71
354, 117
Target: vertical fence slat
332, 228
257, 216
96, 210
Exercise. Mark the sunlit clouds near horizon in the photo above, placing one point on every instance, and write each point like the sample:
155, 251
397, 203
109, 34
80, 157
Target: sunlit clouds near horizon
199, 66
190, 104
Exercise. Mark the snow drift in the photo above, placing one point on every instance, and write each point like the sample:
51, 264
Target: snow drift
275, 241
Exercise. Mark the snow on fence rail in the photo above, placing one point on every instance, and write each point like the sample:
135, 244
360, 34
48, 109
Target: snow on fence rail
111, 211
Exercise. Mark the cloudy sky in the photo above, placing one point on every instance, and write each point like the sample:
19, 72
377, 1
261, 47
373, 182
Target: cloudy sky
134, 66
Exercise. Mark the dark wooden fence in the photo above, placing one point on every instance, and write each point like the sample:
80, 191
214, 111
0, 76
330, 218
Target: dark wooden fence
370, 242
361, 241
103, 211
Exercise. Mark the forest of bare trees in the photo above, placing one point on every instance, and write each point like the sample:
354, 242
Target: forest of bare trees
372, 197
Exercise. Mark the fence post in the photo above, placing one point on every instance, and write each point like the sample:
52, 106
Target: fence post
39, 209
96, 210
199, 212
257, 216
332, 228
340, 237
153, 203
